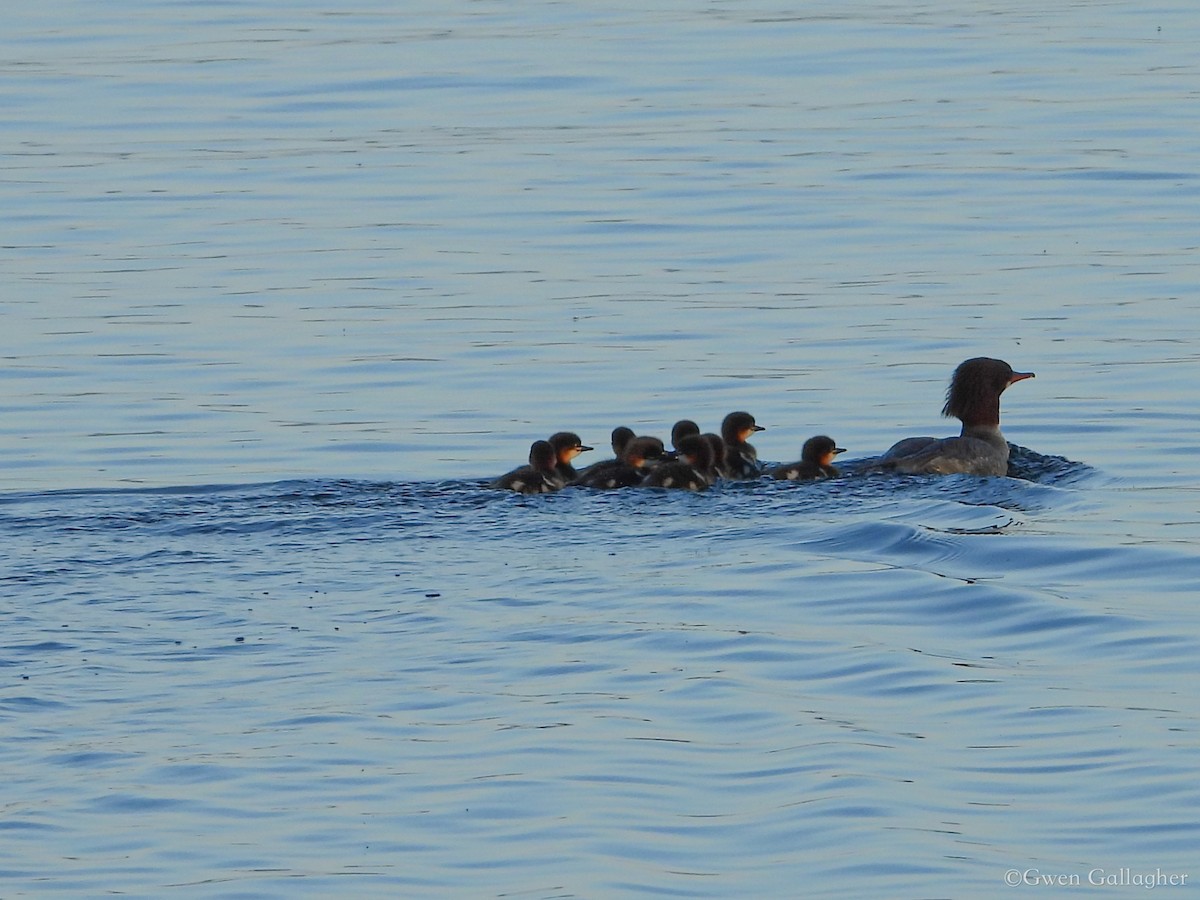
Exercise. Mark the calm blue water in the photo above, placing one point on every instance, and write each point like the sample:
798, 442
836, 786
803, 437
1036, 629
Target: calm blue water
284, 286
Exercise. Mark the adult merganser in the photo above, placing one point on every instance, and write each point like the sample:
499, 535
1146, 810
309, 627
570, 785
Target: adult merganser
687, 473
974, 398
539, 477
741, 459
816, 461
628, 470
567, 446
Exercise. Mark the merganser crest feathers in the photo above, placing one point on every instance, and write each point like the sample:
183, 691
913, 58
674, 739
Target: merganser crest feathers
975, 388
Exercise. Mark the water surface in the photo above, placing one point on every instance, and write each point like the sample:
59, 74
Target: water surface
284, 287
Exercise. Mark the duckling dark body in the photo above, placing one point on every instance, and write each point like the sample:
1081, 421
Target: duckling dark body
629, 470
803, 471
716, 445
621, 436
539, 477
686, 473
741, 459
816, 457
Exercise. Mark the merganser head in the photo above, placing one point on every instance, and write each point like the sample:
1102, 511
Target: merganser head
697, 451
641, 449
738, 426
975, 389
567, 445
682, 429
820, 450
542, 456
621, 436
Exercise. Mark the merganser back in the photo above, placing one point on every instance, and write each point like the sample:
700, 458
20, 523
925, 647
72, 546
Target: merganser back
980, 449
816, 461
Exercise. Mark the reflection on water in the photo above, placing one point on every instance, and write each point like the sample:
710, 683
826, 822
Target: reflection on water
284, 286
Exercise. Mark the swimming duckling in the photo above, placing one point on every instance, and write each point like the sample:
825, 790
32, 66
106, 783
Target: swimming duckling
741, 459
629, 470
539, 477
816, 461
567, 446
682, 429
621, 436
686, 473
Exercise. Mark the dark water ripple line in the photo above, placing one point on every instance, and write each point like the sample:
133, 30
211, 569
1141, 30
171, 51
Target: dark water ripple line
26, 704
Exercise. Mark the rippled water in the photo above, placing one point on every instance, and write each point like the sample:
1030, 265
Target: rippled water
284, 287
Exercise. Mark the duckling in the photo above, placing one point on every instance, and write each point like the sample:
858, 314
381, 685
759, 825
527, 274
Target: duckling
816, 461
567, 446
686, 473
629, 470
539, 477
621, 436
682, 429
741, 459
